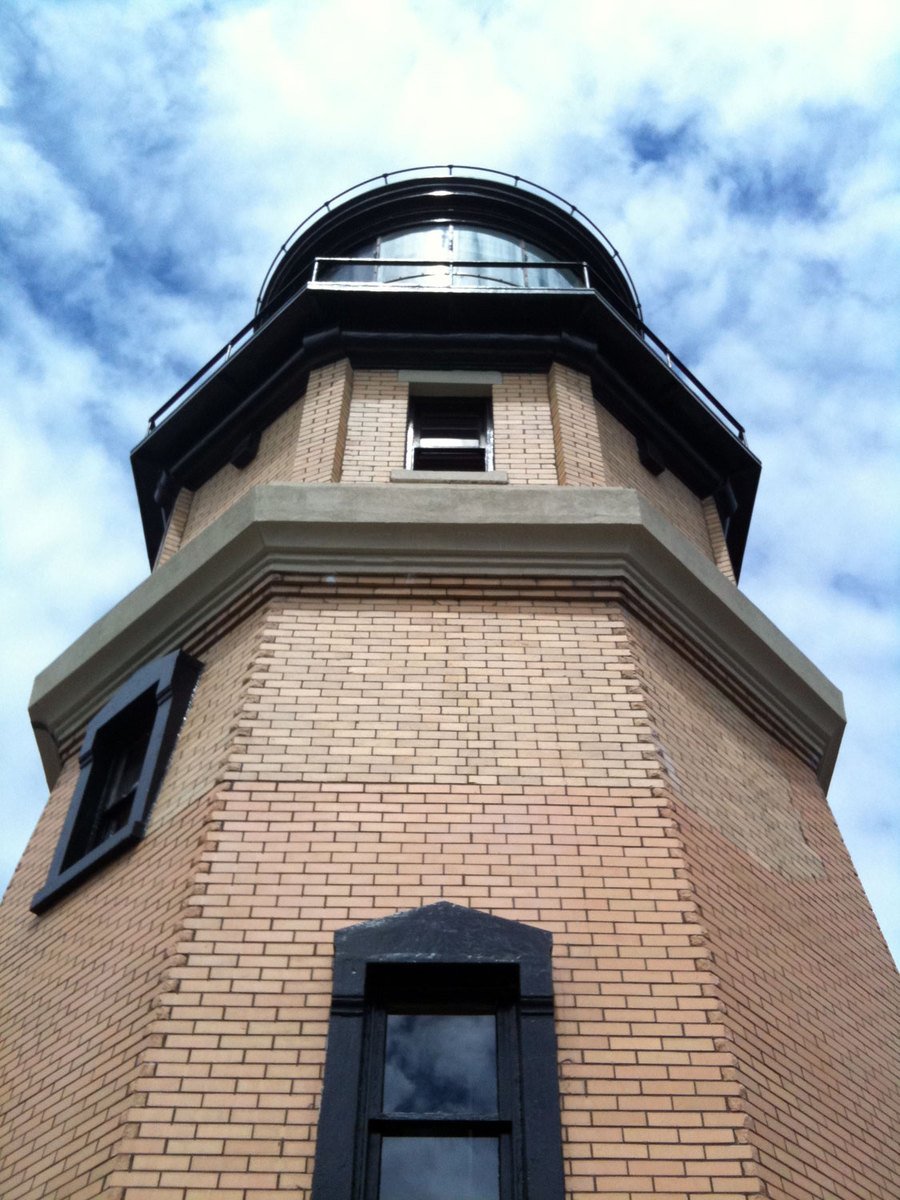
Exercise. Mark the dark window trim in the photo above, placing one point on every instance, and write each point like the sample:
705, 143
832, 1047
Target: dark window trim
170, 680
439, 935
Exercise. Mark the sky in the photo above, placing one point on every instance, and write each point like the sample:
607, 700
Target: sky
745, 161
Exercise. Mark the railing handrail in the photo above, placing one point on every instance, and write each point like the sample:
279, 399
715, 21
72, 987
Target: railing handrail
449, 269
452, 262
387, 177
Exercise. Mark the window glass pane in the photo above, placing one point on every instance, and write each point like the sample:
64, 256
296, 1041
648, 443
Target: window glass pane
439, 1168
487, 247
451, 418
440, 1063
432, 246
549, 277
430, 242
353, 272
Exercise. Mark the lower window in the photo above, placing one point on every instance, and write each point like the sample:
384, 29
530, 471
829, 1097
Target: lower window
441, 1070
443, 1074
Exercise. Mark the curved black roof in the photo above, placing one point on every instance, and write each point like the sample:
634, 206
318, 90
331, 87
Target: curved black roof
472, 195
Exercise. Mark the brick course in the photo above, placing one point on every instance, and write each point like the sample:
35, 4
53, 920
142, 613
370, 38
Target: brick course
401, 745
304, 445
526, 747
576, 432
376, 427
666, 492
80, 983
810, 993
523, 432
272, 462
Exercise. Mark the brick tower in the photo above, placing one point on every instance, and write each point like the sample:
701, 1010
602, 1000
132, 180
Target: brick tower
438, 821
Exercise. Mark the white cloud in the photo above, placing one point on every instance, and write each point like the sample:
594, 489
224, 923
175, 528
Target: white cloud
154, 155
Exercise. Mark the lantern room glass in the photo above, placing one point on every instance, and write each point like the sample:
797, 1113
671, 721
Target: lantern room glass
447, 255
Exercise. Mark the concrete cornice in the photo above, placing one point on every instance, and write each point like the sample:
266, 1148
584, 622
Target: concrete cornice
433, 529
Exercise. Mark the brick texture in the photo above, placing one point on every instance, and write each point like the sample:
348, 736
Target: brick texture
811, 997
175, 530
376, 435
80, 983
358, 746
322, 435
401, 745
376, 428
351, 427
720, 554
523, 431
576, 433
304, 445
272, 462
666, 492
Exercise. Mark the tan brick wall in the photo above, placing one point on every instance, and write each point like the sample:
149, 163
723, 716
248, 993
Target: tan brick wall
523, 430
405, 746
811, 996
273, 462
376, 427
673, 498
594, 449
304, 445
352, 427
721, 557
376, 436
323, 425
80, 983
576, 434
175, 529
529, 749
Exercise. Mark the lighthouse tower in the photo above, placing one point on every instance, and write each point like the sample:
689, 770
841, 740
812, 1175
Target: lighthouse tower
438, 820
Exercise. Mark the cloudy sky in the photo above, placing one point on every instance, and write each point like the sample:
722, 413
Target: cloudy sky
744, 159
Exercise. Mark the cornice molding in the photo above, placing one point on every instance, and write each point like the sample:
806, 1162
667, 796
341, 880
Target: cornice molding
604, 535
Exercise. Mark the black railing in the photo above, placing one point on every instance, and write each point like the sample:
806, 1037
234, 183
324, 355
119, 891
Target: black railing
245, 335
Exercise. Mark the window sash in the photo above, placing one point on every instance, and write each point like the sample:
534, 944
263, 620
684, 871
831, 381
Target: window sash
482, 1132
441, 999
447, 433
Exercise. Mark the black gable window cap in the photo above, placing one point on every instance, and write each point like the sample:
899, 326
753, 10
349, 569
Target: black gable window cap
123, 758
404, 987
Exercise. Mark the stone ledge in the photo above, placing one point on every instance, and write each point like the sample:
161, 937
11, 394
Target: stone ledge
401, 476
335, 529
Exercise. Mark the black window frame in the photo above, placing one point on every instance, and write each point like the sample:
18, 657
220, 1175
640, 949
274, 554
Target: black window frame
143, 715
442, 958
469, 449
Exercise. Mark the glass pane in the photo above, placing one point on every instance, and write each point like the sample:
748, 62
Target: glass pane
549, 277
487, 247
439, 1168
353, 272
427, 243
438, 1063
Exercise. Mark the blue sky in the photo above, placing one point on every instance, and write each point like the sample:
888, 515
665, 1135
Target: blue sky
154, 155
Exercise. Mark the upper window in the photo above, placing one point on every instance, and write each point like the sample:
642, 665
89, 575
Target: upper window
449, 433
448, 255
433, 1075
123, 758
